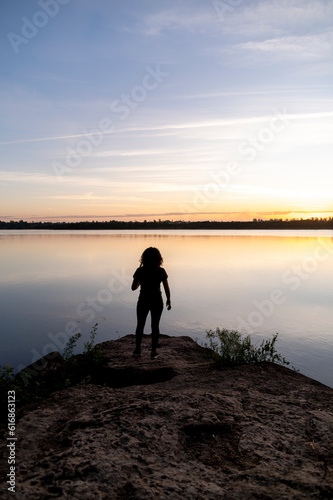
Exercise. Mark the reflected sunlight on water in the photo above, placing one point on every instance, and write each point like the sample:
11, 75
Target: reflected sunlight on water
258, 282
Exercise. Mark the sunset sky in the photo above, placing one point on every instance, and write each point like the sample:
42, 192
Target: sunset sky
170, 109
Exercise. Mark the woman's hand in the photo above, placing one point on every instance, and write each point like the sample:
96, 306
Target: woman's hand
167, 293
135, 284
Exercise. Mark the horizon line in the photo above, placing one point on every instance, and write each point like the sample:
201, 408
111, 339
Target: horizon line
254, 219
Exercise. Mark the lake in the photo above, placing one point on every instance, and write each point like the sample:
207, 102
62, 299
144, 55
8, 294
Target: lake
55, 283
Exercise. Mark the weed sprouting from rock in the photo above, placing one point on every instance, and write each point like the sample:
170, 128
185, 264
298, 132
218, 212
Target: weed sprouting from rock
73, 369
70, 346
230, 348
90, 352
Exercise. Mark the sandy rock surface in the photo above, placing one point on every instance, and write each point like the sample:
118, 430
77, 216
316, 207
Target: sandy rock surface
175, 428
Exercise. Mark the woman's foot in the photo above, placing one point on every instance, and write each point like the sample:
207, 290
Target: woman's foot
154, 355
137, 354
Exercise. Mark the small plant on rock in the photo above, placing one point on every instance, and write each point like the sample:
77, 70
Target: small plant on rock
230, 348
70, 346
79, 367
91, 352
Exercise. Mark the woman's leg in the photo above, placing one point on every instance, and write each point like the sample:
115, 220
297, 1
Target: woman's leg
156, 312
142, 310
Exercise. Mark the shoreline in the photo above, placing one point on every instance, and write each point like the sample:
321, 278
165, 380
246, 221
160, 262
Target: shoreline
272, 224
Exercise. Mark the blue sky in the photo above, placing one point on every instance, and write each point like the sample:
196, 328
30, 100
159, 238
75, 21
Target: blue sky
171, 109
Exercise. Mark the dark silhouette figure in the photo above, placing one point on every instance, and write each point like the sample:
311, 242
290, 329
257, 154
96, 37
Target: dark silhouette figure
149, 276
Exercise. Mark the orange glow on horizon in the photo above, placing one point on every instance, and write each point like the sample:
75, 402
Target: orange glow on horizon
191, 217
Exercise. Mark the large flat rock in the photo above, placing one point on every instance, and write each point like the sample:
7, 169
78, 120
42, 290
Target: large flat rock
176, 428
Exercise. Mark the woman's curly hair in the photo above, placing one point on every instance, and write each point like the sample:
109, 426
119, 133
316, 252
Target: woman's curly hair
151, 257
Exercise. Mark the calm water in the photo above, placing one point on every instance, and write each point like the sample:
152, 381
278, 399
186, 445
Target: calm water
262, 282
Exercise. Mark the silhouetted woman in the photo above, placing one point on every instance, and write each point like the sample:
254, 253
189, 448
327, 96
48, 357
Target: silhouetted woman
149, 276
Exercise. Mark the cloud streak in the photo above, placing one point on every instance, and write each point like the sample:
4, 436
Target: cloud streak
189, 125
307, 47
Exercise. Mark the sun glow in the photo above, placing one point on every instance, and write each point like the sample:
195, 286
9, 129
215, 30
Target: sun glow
224, 136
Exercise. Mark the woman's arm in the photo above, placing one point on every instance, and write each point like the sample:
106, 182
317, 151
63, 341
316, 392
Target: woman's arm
167, 293
135, 284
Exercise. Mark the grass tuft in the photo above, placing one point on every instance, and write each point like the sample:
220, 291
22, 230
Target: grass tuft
230, 348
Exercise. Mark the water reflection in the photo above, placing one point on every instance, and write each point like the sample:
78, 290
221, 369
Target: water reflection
257, 283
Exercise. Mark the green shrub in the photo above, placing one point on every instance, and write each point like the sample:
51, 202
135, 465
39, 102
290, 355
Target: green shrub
31, 389
80, 367
26, 391
92, 353
6, 374
70, 346
230, 348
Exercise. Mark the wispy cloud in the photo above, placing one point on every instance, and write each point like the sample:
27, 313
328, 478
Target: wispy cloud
307, 47
258, 18
278, 18
85, 197
253, 92
137, 152
251, 190
183, 18
49, 138
26, 177
185, 125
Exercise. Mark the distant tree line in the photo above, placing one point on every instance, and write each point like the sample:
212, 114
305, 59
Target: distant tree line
312, 223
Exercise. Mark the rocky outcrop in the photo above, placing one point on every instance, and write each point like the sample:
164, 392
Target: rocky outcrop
176, 428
